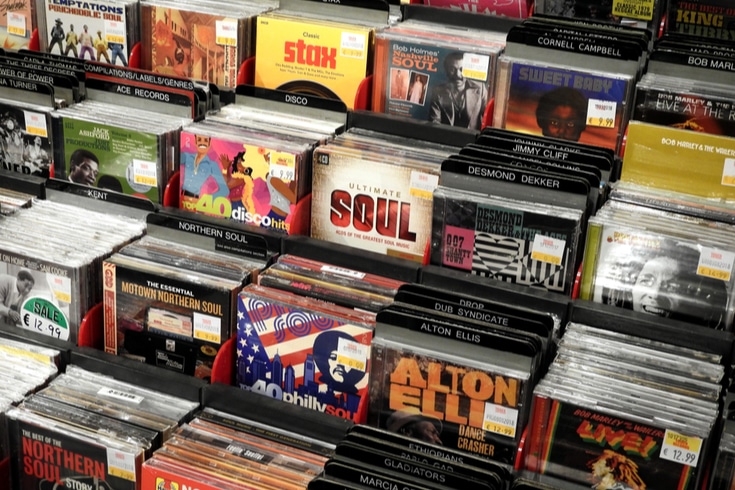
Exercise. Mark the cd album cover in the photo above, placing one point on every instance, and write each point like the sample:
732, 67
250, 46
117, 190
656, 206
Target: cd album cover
223, 177
657, 275
568, 104
16, 24
504, 243
26, 137
422, 79
371, 205
302, 356
606, 451
509, 8
89, 31
194, 44
455, 405
37, 296
319, 58
709, 19
107, 156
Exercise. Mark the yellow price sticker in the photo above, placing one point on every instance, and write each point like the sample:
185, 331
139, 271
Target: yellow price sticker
728, 180
713, 273
63, 297
226, 41
113, 38
120, 473
145, 180
206, 336
551, 259
601, 122
423, 194
351, 363
496, 428
37, 131
474, 74
352, 53
16, 31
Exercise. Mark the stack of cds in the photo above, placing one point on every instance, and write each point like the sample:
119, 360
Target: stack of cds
624, 411
51, 255
227, 452
86, 427
170, 304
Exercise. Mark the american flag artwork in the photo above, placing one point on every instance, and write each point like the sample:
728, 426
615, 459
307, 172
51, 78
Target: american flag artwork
302, 355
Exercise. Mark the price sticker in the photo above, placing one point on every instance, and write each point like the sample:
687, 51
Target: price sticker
475, 66
601, 113
353, 45
123, 396
145, 173
115, 31
715, 263
225, 32
36, 123
282, 166
548, 249
42, 316
343, 272
500, 420
121, 464
207, 328
680, 448
728, 172
61, 288
422, 184
352, 354
16, 24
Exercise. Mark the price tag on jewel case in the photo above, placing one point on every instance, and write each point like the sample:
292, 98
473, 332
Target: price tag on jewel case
548, 249
225, 32
680, 448
500, 420
715, 263
352, 354
121, 464
16, 24
601, 113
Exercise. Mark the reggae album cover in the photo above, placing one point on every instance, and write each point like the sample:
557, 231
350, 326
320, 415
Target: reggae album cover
429, 81
383, 207
489, 239
303, 355
658, 275
713, 20
321, 58
96, 31
567, 104
640, 14
245, 182
685, 110
467, 406
612, 452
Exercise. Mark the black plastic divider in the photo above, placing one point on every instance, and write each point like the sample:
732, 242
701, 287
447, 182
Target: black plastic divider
30, 184
34, 338
482, 287
349, 258
91, 197
138, 373
294, 419
409, 128
652, 327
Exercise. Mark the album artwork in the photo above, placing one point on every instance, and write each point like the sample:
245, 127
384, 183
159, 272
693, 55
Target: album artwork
603, 450
713, 20
16, 24
302, 355
567, 104
489, 239
321, 58
26, 140
421, 80
96, 31
517, 9
247, 183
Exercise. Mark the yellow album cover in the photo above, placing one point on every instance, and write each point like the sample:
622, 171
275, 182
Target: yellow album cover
680, 160
314, 57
